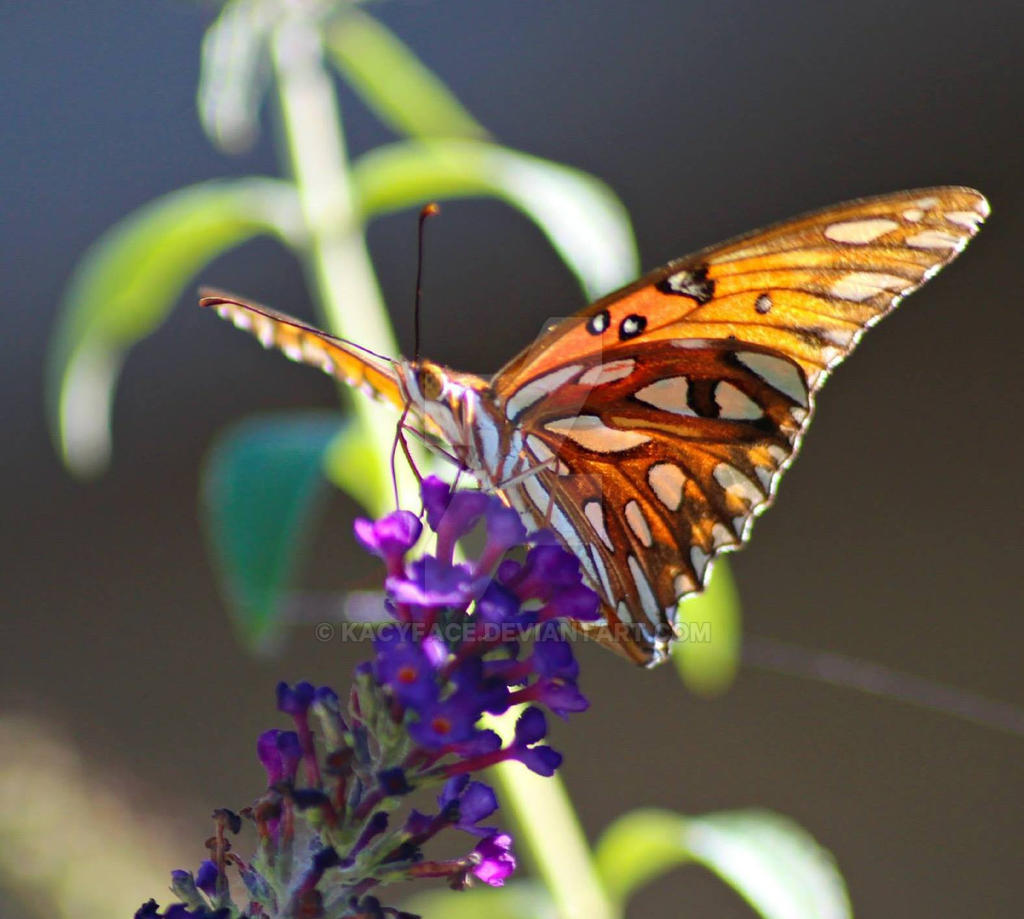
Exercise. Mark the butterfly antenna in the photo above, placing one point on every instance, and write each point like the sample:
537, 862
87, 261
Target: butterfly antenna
431, 210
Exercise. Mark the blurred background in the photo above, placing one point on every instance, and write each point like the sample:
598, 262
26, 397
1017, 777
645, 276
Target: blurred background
894, 538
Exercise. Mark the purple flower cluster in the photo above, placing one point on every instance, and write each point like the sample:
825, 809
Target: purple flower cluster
469, 639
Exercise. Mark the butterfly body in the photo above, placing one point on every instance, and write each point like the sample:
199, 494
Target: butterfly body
649, 429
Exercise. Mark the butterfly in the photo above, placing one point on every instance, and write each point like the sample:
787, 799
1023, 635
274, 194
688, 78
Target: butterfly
650, 429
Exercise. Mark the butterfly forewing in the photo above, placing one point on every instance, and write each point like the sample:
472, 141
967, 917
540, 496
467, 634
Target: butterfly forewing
670, 407
373, 375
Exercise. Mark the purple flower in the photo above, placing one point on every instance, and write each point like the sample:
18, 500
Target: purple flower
279, 751
498, 607
206, 878
432, 583
390, 537
472, 638
295, 701
467, 803
436, 494
547, 569
496, 861
553, 657
447, 722
561, 696
403, 664
532, 727
575, 602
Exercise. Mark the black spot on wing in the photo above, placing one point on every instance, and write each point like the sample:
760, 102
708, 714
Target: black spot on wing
597, 323
689, 282
631, 326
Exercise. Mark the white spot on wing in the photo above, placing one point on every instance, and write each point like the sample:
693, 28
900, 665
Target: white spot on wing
667, 481
968, 219
736, 483
926, 203
720, 536
638, 523
539, 448
913, 214
533, 392
859, 286
591, 433
622, 611
608, 373
594, 513
859, 232
777, 372
648, 602
934, 239
734, 404
699, 560
670, 395
684, 584
265, 332
602, 572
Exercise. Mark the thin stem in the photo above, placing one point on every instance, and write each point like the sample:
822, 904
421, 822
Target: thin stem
337, 259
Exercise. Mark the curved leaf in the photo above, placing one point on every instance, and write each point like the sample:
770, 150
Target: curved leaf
767, 859
126, 284
707, 655
393, 82
581, 217
260, 484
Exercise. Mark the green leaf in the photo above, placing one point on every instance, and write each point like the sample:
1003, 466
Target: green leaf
581, 217
516, 900
260, 484
394, 83
766, 858
126, 284
353, 465
708, 653
235, 73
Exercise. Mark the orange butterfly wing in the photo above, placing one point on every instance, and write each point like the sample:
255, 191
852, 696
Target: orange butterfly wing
665, 411
361, 369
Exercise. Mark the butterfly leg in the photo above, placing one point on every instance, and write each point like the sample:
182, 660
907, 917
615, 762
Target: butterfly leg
400, 429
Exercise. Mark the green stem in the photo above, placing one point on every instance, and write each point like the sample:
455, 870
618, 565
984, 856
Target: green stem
337, 259
547, 827
342, 275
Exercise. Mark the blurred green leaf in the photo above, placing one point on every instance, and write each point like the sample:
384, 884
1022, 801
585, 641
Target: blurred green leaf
234, 73
353, 465
516, 900
767, 859
708, 653
581, 217
126, 284
393, 82
260, 484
